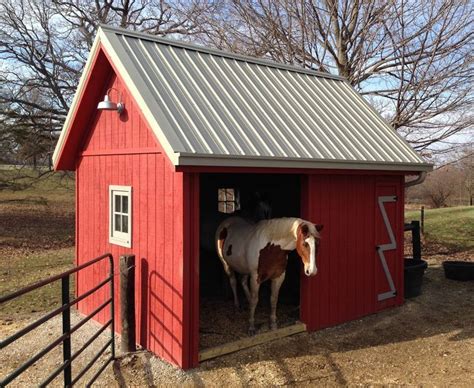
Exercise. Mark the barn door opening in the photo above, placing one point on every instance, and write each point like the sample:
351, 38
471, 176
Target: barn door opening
387, 260
222, 196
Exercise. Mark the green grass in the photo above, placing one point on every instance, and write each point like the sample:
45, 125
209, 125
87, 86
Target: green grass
36, 237
452, 227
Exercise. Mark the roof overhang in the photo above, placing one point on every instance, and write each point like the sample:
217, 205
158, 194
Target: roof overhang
275, 162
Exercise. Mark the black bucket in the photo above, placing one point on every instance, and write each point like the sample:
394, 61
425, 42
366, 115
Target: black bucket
414, 271
459, 270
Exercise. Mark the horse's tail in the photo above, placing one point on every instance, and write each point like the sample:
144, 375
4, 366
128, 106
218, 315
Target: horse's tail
222, 232
221, 235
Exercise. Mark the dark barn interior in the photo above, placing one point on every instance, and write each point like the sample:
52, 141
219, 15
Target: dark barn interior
243, 195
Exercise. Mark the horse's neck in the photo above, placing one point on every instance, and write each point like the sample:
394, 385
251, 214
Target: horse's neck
281, 231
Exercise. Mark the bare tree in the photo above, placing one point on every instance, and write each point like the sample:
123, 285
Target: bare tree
44, 45
466, 165
440, 185
413, 59
158, 17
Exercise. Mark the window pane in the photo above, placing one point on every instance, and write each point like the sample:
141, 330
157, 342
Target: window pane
230, 207
221, 195
221, 207
125, 224
230, 194
117, 204
118, 223
125, 204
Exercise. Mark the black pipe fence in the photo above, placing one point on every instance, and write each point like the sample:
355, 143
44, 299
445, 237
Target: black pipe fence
67, 329
414, 228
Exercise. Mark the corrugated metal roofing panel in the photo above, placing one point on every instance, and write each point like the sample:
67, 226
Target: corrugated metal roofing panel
221, 108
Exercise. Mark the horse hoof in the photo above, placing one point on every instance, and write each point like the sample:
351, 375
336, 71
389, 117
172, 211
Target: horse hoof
251, 331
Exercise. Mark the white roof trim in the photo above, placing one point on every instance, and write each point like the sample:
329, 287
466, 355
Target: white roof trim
75, 101
139, 91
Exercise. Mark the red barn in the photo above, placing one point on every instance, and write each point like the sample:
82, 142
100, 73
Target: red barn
198, 131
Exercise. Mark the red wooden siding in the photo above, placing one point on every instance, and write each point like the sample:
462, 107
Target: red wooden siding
85, 109
127, 132
122, 151
191, 270
350, 274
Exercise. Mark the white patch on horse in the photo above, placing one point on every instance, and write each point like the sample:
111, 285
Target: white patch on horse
312, 270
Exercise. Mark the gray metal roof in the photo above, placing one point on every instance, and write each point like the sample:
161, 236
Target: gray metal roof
209, 107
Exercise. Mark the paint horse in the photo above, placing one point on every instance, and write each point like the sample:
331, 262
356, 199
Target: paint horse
259, 252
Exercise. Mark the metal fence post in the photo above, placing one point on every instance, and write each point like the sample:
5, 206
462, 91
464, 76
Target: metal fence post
112, 304
423, 219
415, 236
66, 330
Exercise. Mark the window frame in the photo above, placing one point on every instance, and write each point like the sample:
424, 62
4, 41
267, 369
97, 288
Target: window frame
115, 237
235, 202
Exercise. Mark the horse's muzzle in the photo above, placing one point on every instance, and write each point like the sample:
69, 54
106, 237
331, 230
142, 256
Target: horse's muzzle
307, 272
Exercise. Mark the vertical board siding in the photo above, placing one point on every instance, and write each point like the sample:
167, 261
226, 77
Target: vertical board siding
159, 271
114, 132
157, 225
350, 274
191, 270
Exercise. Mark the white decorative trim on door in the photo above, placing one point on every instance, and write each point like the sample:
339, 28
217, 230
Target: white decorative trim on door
387, 247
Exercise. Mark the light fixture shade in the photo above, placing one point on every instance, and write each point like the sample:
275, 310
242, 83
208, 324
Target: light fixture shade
107, 104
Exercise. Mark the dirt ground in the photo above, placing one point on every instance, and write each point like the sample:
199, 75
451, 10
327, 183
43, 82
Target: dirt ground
427, 341
232, 324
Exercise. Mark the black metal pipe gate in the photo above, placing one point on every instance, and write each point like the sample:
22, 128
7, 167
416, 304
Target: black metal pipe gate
67, 330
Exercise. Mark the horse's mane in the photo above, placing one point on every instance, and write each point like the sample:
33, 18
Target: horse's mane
279, 228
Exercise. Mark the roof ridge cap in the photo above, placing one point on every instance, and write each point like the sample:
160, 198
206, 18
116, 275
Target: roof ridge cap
222, 53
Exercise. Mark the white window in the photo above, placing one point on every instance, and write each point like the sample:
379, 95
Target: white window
120, 225
228, 200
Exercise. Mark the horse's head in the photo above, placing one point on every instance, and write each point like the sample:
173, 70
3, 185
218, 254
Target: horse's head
307, 244
259, 206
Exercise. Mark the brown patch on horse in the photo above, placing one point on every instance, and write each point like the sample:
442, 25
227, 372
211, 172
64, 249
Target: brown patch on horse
229, 250
302, 247
221, 239
271, 262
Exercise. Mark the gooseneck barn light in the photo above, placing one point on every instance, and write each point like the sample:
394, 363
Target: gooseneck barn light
107, 104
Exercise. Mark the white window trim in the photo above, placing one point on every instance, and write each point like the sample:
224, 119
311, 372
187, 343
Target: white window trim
120, 238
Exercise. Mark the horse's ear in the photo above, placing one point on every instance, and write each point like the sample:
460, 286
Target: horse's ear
303, 229
319, 227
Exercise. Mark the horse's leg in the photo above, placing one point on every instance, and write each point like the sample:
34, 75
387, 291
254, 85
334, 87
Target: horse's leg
233, 281
254, 288
276, 284
233, 285
245, 285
